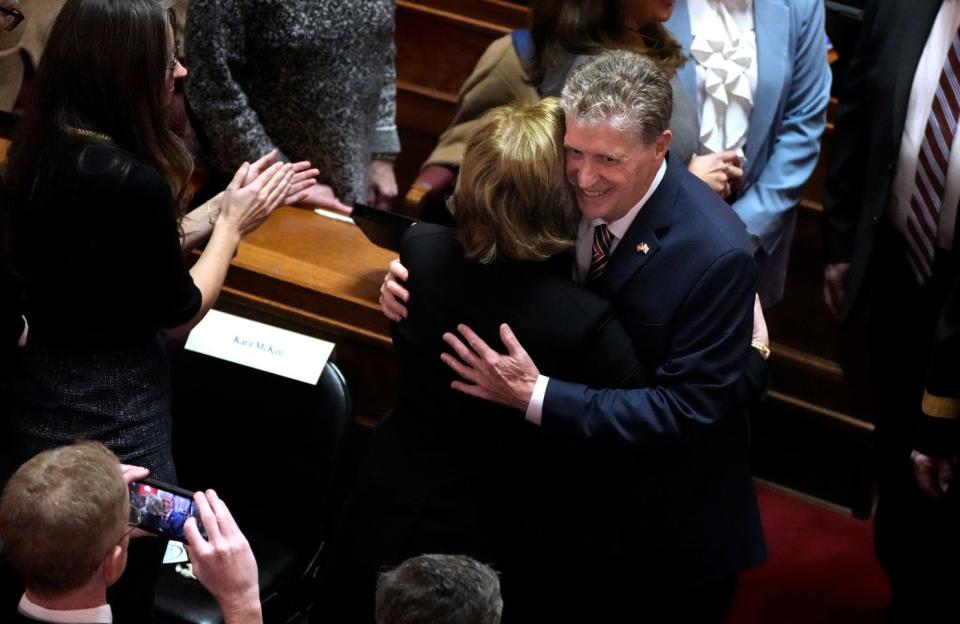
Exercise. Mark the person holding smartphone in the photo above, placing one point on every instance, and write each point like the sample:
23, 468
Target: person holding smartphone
66, 578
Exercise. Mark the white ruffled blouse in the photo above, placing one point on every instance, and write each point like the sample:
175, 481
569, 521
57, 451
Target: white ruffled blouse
725, 51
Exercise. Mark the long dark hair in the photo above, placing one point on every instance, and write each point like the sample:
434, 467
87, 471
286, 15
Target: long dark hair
103, 72
589, 27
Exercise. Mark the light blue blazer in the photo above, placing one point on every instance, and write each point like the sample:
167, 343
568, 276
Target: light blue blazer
788, 117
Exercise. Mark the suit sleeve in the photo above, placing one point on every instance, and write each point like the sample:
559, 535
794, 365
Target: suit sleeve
797, 143
496, 80
215, 40
844, 185
692, 390
939, 430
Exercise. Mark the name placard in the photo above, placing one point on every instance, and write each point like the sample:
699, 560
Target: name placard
260, 346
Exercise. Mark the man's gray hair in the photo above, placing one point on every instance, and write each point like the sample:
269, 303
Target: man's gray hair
621, 88
439, 589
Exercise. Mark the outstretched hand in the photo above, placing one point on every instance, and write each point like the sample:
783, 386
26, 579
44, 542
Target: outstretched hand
304, 177
506, 379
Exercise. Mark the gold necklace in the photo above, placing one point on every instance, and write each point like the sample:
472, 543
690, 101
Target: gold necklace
93, 135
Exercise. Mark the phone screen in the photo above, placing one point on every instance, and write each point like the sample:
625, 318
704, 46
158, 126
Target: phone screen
163, 509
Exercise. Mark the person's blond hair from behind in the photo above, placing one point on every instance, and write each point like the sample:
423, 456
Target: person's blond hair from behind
512, 197
61, 513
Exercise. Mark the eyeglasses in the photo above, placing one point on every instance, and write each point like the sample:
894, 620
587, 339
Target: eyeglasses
13, 18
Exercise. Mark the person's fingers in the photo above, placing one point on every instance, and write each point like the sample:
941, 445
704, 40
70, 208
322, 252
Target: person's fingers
945, 474
476, 343
228, 526
729, 157
510, 341
207, 516
303, 166
133, 473
458, 367
923, 473
303, 175
239, 176
195, 540
472, 390
264, 160
298, 191
280, 191
266, 175
734, 172
398, 291
389, 309
829, 298
399, 271
333, 203
462, 350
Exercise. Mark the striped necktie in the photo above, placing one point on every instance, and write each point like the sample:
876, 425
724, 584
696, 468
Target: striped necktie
602, 238
923, 218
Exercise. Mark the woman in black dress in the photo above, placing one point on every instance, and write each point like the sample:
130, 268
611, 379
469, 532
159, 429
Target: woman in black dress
94, 217
446, 472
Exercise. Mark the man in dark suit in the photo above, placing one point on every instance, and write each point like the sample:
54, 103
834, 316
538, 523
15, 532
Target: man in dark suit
64, 522
172, 521
675, 261
892, 192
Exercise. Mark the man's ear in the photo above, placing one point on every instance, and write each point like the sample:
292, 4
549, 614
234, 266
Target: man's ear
113, 565
662, 144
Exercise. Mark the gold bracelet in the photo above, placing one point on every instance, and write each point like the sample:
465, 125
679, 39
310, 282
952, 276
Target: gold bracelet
762, 348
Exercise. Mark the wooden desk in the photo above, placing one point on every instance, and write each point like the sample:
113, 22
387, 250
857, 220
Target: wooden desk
321, 277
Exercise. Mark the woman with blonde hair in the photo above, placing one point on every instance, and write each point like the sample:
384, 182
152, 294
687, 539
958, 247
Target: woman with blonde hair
446, 472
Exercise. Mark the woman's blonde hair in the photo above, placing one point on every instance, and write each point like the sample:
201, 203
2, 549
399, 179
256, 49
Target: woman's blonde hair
512, 197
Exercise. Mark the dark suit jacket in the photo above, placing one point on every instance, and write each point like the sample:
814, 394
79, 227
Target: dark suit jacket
939, 430
456, 472
869, 127
687, 304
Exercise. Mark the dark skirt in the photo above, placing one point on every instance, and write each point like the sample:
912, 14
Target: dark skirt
119, 396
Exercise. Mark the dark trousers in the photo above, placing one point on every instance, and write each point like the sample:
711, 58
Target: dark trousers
917, 538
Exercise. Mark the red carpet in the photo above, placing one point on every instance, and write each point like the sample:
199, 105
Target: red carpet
821, 568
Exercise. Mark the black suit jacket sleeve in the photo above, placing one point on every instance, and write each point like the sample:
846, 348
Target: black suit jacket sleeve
939, 431
848, 149
692, 390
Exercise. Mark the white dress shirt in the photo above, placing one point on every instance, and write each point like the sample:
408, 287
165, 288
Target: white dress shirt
724, 48
101, 615
584, 251
922, 91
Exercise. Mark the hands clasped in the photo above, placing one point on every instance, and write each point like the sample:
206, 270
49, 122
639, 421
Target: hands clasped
508, 379
721, 171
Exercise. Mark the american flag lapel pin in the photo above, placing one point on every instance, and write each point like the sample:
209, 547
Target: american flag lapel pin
643, 248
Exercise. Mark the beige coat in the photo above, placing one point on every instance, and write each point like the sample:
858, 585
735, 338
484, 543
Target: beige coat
497, 79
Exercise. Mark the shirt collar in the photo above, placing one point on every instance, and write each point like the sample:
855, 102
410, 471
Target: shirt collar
101, 615
619, 227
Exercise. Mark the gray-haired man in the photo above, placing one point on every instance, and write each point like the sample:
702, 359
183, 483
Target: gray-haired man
662, 513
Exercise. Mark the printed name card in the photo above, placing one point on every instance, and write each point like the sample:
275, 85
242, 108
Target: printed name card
260, 346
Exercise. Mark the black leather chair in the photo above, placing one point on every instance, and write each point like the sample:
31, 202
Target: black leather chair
269, 446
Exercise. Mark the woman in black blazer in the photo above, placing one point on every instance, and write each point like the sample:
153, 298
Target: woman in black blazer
446, 472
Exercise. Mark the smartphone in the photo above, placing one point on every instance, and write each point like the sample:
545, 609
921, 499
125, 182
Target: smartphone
162, 509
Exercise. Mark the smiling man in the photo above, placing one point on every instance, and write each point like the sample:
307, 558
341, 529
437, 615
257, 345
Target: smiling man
672, 512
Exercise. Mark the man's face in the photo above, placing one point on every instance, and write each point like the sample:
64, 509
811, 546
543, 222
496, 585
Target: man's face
610, 170
167, 505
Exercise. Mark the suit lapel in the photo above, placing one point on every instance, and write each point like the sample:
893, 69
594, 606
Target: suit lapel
916, 19
642, 242
771, 20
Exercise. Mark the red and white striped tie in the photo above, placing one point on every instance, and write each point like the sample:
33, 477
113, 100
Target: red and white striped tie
602, 238
923, 218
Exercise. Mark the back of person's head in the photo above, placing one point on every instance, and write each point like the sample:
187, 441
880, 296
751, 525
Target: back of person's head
623, 89
512, 198
62, 513
591, 26
439, 589
106, 70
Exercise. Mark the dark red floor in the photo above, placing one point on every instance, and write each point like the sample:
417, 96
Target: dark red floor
821, 568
